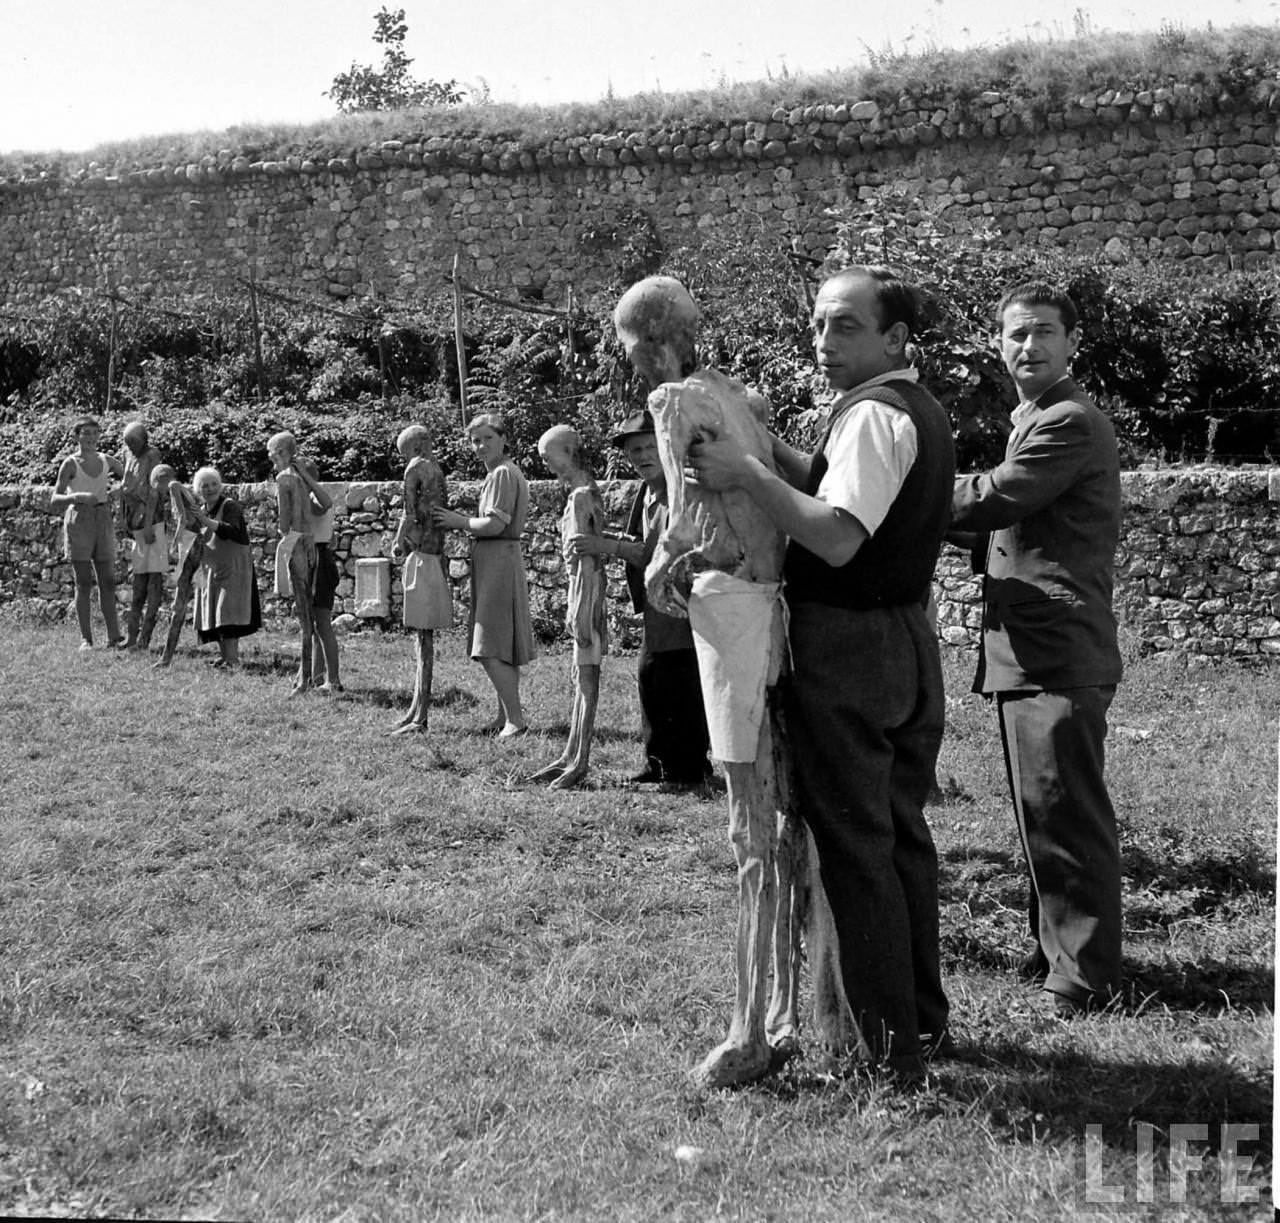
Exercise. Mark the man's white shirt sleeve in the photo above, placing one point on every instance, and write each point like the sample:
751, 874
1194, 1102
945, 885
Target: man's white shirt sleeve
869, 453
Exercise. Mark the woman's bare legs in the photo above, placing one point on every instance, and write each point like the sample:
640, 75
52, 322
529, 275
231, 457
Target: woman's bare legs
505, 679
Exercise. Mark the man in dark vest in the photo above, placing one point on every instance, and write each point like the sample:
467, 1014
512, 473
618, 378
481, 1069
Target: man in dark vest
866, 514
1045, 526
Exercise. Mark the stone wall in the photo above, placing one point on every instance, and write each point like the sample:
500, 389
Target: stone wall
1169, 173
1198, 567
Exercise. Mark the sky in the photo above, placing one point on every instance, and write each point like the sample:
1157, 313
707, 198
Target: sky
78, 73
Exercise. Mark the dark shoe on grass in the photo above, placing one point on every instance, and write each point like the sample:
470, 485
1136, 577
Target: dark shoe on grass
1034, 968
939, 1048
1069, 1006
646, 777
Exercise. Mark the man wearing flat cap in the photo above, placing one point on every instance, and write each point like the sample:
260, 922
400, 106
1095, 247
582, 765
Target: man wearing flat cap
675, 726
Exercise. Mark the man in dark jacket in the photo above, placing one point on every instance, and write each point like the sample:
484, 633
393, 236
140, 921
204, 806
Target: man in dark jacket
1043, 527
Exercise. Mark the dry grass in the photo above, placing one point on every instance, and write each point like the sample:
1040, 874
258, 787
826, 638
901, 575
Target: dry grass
1047, 69
261, 962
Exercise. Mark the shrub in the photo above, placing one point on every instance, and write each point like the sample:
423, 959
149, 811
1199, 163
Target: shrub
1188, 367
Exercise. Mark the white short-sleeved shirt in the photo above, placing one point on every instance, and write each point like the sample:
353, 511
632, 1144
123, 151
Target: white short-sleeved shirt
869, 452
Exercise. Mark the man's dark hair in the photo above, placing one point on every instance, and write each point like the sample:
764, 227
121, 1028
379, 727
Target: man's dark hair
1039, 293
897, 301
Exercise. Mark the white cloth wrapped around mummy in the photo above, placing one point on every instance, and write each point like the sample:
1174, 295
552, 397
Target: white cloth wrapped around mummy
738, 634
185, 542
428, 601
150, 557
284, 551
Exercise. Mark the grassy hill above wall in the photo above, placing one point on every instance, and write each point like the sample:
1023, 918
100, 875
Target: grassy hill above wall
1045, 72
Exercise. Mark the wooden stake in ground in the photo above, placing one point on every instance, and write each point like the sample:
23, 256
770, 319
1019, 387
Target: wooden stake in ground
111, 348
257, 330
459, 343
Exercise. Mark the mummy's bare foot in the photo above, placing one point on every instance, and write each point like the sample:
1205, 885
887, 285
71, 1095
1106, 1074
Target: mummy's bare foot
414, 720
732, 1065
408, 728
550, 771
569, 778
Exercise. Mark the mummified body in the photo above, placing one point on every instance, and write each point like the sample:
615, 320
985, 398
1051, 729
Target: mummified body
720, 561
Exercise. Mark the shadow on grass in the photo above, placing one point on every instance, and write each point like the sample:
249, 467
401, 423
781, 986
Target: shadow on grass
983, 878
989, 888
559, 729
1212, 876
1032, 1096
1210, 986
449, 697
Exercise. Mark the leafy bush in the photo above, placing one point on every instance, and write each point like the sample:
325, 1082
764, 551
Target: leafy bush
1188, 367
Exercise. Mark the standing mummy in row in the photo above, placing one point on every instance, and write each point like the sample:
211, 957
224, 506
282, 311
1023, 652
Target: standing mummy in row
301, 500
719, 561
419, 544
189, 540
144, 520
585, 620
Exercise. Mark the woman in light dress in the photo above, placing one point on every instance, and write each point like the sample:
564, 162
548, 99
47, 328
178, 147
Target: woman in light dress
500, 625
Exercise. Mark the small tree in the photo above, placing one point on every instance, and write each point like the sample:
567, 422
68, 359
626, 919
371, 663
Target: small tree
363, 87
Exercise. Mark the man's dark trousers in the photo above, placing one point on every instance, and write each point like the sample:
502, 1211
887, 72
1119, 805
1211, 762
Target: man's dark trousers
675, 725
1053, 748
865, 708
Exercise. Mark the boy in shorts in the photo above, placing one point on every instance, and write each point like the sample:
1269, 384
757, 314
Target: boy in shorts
83, 491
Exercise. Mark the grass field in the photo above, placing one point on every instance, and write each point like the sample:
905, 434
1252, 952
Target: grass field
258, 961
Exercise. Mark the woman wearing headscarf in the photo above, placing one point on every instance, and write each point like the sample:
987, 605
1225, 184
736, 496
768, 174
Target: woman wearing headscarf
226, 593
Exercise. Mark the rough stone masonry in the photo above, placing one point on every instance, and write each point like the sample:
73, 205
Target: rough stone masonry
1198, 566
1171, 173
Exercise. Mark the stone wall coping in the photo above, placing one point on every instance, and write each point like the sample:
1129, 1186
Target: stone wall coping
1160, 488
841, 127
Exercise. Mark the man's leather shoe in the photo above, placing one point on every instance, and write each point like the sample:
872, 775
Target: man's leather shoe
1034, 968
645, 777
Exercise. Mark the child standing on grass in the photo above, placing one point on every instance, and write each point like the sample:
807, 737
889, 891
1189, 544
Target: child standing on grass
83, 490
